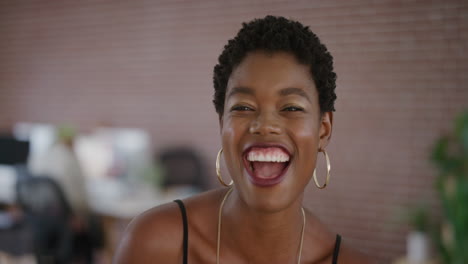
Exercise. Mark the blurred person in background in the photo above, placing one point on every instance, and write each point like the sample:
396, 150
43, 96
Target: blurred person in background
274, 94
61, 165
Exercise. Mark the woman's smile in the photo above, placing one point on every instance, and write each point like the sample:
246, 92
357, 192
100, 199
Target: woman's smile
266, 164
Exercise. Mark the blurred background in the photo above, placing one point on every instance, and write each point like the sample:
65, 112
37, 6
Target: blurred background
105, 111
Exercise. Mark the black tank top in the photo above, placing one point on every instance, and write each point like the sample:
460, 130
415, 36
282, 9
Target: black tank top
336, 251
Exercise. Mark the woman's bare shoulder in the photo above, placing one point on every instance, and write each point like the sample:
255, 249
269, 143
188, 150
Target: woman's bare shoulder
152, 236
157, 234
349, 255
325, 241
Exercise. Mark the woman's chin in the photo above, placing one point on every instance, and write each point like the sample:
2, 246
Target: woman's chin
268, 204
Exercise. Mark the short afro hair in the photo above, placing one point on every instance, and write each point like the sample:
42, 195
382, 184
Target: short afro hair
276, 34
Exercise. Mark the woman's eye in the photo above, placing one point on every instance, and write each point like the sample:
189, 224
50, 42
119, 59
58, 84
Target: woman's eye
241, 108
293, 109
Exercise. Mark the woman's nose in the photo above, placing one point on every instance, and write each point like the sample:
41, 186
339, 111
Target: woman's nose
265, 124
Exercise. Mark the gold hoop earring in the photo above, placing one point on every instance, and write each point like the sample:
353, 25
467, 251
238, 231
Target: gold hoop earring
328, 172
218, 170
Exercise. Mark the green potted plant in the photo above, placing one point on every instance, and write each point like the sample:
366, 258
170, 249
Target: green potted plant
450, 155
417, 240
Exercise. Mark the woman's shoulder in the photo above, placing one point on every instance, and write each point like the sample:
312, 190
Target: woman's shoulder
349, 255
327, 244
152, 235
343, 253
158, 232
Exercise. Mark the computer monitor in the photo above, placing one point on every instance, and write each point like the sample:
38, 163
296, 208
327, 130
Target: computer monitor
13, 151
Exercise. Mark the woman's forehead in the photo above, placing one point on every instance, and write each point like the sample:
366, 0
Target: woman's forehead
270, 71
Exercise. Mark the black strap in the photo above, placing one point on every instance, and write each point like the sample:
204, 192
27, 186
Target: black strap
184, 220
337, 249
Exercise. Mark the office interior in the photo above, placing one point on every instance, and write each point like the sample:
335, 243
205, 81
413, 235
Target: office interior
106, 111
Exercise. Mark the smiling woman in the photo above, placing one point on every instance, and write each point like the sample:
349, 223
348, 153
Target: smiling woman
276, 118
280, 113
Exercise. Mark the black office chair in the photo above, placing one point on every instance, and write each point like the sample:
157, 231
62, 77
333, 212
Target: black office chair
182, 166
48, 213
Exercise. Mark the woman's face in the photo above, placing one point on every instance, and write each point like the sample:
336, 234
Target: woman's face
272, 129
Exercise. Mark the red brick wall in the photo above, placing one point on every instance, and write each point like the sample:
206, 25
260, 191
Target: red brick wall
401, 67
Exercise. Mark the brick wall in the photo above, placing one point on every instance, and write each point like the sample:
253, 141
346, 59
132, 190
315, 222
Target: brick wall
402, 78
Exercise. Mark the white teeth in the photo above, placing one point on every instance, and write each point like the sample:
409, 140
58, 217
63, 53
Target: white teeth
276, 156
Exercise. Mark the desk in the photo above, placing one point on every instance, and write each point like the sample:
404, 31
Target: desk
116, 199
404, 260
6, 258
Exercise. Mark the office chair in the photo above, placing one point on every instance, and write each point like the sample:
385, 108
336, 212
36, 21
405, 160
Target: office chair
182, 166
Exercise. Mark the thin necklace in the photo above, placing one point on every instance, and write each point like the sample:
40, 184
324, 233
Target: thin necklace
219, 228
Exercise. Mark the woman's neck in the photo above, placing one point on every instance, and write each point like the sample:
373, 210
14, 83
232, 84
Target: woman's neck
259, 236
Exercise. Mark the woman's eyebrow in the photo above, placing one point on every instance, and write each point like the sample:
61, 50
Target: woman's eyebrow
293, 90
241, 90
282, 92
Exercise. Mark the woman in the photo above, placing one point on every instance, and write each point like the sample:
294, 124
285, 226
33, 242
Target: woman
274, 94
